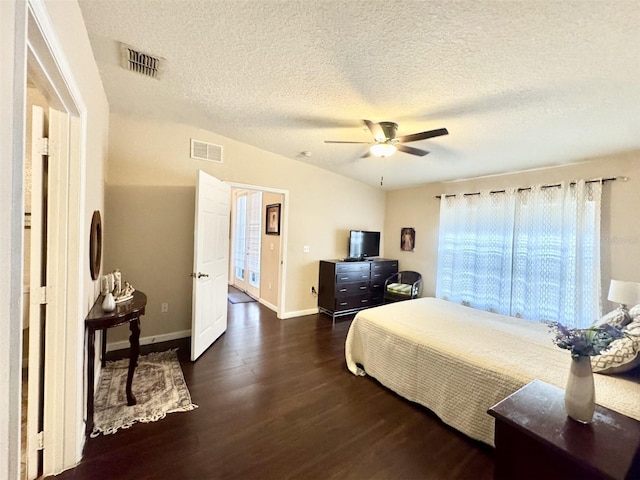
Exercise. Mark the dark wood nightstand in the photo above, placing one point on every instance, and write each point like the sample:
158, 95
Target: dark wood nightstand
535, 439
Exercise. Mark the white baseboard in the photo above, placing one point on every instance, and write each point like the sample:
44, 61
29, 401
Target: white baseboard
269, 305
300, 313
165, 337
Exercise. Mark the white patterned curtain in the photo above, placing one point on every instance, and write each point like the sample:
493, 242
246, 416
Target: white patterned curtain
531, 253
474, 251
556, 266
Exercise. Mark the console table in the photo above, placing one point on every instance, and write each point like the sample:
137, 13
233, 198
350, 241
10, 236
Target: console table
345, 287
97, 319
536, 439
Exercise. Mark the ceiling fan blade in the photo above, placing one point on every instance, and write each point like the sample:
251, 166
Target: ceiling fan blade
366, 154
411, 150
375, 130
338, 141
423, 135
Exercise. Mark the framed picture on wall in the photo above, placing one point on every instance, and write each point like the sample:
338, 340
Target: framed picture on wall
273, 219
407, 239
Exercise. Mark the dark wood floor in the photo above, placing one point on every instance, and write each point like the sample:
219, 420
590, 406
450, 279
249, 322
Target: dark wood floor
277, 401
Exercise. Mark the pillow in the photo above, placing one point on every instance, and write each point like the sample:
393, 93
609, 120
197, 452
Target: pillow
622, 355
401, 288
616, 318
634, 313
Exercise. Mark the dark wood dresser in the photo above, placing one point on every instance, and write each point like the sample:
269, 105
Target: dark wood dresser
347, 287
535, 439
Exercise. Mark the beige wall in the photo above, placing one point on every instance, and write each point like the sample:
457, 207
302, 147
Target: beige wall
148, 235
270, 254
323, 207
417, 207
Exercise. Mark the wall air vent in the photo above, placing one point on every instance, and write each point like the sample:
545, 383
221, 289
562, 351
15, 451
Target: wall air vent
142, 63
206, 151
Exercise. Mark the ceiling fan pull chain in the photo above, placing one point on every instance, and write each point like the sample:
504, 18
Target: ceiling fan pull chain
382, 174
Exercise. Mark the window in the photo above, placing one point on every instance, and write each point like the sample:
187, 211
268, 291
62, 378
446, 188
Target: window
531, 253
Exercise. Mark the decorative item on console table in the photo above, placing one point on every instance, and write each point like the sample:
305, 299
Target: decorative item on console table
580, 397
112, 284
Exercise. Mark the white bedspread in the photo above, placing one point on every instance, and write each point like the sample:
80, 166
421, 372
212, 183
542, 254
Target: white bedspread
459, 362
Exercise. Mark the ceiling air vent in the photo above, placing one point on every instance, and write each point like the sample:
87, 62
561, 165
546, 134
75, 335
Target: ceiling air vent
206, 151
142, 63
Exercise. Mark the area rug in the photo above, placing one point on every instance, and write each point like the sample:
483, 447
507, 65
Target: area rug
239, 297
158, 385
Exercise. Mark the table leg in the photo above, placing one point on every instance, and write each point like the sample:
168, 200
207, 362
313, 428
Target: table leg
91, 352
104, 347
134, 351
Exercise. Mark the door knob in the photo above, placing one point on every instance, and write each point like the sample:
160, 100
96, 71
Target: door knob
200, 275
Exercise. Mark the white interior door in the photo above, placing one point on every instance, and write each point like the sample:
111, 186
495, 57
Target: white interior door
37, 283
211, 263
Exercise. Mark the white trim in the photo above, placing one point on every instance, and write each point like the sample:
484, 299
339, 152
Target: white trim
64, 385
300, 313
165, 337
282, 273
13, 24
269, 305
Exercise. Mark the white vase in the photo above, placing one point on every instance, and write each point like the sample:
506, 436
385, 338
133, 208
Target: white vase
580, 394
109, 303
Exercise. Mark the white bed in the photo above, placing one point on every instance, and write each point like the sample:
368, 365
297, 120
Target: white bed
458, 361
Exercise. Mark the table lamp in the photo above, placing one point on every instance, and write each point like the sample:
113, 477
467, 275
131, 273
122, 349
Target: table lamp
624, 293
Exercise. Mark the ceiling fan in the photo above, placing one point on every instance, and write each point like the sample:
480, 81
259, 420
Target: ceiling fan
386, 142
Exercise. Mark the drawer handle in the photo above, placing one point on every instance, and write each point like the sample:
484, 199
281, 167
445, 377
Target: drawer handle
343, 304
364, 301
343, 289
363, 288
364, 276
344, 278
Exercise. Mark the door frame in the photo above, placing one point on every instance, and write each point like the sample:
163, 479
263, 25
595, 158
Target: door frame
284, 231
64, 348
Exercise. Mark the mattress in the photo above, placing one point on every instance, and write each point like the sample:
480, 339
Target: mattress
459, 362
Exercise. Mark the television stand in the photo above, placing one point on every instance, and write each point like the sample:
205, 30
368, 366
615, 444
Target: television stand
350, 285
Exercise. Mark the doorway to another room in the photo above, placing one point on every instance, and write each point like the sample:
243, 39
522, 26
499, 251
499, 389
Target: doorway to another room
255, 266
247, 239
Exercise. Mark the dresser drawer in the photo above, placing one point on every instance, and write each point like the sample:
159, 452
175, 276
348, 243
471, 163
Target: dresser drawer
377, 285
352, 267
352, 276
357, 301
349, 289
384, 265
383, 270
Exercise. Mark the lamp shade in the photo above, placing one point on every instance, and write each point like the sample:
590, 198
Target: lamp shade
383, 149
624, 293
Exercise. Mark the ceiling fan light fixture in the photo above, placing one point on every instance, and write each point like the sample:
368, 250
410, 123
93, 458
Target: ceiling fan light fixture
383, 149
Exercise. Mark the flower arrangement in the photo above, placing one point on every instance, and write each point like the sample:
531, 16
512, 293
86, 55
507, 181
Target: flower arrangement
584, 342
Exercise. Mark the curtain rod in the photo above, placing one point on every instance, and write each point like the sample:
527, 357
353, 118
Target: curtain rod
524, 189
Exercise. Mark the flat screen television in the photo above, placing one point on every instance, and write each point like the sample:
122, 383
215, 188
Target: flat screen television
364, 244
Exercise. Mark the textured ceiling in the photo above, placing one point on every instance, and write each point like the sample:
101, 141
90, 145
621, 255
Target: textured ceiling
518, 84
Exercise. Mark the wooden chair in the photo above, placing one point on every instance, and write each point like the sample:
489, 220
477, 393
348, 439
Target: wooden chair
402, 286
